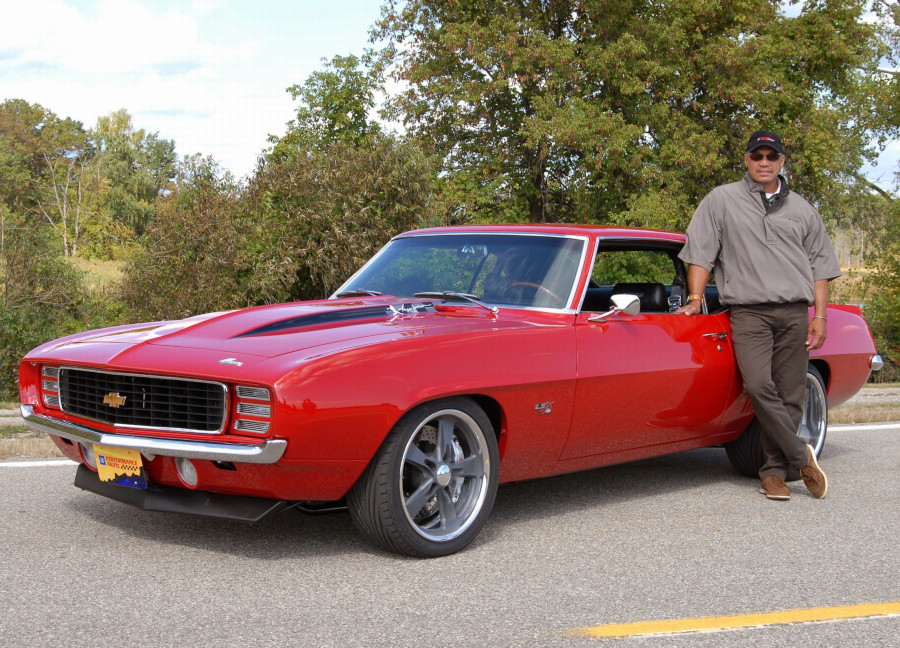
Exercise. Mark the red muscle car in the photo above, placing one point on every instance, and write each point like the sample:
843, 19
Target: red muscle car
454, 360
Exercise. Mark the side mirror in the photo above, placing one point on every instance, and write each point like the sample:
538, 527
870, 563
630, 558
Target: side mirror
624, 303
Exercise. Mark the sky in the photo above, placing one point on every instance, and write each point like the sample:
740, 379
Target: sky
211, 75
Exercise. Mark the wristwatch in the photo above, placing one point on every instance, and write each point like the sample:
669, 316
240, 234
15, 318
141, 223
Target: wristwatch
699, 298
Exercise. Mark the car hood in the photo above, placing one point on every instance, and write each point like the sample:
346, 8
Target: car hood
253, 335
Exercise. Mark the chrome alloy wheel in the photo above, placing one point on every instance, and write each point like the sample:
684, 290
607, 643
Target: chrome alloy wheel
815, 412
446, 471
746, 454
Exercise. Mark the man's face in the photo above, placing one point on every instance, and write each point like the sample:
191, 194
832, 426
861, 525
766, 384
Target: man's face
764, 171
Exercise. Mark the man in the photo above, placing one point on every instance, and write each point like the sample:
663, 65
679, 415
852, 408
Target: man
772, 259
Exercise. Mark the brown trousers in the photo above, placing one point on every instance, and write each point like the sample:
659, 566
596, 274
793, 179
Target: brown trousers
770, 348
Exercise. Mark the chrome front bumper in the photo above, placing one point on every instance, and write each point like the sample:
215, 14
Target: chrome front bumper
268, 452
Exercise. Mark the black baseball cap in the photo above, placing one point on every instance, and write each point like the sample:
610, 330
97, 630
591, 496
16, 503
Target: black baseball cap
765, 138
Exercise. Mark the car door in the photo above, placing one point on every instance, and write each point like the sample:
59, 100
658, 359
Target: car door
649, 379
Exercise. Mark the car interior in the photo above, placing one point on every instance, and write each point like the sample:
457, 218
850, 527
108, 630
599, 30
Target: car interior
654, 274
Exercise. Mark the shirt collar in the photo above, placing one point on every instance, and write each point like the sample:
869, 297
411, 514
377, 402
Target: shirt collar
755, 187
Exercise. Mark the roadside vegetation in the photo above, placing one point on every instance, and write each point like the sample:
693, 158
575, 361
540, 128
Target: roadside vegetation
557, 111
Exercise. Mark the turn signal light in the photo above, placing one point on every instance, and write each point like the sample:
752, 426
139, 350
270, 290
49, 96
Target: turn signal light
50, 386
252, 410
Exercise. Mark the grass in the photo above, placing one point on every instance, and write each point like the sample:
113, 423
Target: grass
870, 410
843, 414
19, 441
99, 274
25, 446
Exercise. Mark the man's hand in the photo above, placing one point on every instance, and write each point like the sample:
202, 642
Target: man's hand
693, 307
697, 278
816, 333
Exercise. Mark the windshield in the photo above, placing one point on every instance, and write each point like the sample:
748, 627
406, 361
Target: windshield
503, 269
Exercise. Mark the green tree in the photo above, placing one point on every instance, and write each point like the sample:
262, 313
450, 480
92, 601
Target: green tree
334, 107
334, 188
588, 110
194, 256
138, 167
40, 297
68, 201
23, 143
882, 290
323, 213
47, 169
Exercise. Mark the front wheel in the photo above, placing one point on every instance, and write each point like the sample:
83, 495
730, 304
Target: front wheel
429, 490
745, 452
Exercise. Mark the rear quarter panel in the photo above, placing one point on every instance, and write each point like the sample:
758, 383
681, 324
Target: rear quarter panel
846, 354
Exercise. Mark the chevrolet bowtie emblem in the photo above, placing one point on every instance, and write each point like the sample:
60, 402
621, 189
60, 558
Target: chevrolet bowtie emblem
114, 400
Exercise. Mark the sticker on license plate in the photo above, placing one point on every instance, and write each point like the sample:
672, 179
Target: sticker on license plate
120, 466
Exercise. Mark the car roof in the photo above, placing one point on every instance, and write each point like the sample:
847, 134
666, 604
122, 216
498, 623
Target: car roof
564, 229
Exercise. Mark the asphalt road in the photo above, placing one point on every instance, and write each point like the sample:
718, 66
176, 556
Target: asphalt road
678, 537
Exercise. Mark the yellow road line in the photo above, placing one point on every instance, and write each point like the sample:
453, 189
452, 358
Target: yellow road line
712, 624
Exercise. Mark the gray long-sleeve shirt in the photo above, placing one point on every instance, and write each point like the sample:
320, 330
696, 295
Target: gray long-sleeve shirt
759, 257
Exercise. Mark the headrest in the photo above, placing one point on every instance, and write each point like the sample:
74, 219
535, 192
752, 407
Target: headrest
652, 295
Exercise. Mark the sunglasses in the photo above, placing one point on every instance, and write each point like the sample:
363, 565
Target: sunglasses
771, 157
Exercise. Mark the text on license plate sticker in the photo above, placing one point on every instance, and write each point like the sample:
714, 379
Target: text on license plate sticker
120, 466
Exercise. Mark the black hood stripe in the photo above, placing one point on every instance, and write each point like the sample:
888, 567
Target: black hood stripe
335, 316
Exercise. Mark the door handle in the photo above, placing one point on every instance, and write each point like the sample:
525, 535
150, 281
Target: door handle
720, 336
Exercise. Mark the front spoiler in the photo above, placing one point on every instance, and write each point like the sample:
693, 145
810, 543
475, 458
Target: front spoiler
267, 452
182, 500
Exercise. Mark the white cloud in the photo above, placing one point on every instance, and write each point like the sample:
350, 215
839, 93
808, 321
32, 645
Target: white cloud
114, 37
183, 72
120, 52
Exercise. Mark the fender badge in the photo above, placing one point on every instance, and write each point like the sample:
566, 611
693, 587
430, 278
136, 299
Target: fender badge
114, 400
234, 362
544, 408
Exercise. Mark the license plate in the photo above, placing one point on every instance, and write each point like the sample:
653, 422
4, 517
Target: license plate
120, 466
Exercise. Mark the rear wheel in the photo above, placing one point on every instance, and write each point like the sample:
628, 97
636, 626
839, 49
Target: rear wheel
745, 452
432, 485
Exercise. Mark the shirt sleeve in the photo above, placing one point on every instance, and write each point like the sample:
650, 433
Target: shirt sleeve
704, 238
822, 258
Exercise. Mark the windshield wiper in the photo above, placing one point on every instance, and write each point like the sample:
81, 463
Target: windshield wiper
450, 295
359, 292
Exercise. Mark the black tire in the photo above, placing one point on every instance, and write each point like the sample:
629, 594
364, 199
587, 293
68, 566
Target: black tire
745, 453
431, 487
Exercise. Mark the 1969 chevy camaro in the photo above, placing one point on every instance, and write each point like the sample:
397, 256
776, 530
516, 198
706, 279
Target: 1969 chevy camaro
454, 360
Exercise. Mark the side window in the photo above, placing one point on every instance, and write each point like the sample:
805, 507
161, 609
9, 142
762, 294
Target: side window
650, 274
633, 266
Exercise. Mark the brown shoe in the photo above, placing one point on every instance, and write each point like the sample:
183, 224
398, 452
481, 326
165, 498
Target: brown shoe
774, 488
813, 476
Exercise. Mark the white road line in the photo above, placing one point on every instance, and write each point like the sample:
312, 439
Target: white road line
37, 464
863, 427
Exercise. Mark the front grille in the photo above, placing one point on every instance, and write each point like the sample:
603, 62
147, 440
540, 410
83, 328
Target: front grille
134, 400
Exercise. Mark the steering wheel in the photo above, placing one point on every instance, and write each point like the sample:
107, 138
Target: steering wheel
538, 288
